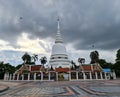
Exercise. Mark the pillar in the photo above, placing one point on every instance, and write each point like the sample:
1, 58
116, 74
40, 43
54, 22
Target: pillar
10, 77
29, 67
49, 76
90, 76
22, 76
18, 76
77, 75
13, 76
41, 76
69, 76
84, 76
91, 67
35, 76
114, 75
105, 76
96, 75
101, 75
5, 76
56, 76
28, 76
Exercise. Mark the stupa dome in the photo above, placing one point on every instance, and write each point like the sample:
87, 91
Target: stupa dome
59, 57
58, 48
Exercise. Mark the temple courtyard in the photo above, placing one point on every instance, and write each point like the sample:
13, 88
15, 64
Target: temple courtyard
87, 88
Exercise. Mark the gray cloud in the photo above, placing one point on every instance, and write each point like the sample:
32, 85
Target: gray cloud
84, 22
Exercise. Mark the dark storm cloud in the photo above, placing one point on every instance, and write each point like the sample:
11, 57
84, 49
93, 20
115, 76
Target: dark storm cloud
84, 22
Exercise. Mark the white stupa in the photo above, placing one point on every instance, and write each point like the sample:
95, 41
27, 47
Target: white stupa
59, 57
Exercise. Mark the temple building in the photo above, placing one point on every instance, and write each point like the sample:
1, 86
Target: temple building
59, 57
60, 67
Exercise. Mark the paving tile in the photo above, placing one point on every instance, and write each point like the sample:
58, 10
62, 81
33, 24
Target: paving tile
63, 89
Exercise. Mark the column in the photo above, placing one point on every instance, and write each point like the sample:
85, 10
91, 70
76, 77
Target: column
77, 75
22, 76
28, 76
5, 76
10, 77
91, 67
84, 76
13, 76
69, 76
18, 76
49, 76
29, 67
56, 76
101, 75
96, 75
35, 76
41, 75
105, 76
114, 75
90, 76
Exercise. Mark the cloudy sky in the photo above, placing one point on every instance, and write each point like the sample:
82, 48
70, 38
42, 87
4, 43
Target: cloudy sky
30, 26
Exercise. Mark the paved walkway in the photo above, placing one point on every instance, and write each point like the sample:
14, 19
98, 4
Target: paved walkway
100, 88
3, 88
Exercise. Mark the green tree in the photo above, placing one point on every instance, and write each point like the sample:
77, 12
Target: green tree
102, 63
9, 68
116, 66
118, 55
18, 66
43, 60
105, 64
34, 58
6, 67
2, 70
94, 57
26, 58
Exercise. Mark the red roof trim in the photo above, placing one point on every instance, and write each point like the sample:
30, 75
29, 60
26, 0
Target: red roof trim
62, 69
35, 68
86, 68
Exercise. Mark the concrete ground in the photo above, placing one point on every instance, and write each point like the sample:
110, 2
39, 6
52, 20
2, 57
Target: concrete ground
94, 88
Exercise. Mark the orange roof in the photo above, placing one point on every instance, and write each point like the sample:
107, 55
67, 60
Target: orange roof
86, 67
35, 68
62, 69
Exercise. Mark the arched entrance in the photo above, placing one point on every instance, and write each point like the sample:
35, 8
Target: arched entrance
63, 76
25, 74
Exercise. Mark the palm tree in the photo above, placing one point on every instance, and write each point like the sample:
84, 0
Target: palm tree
35, 57
74, 66
43, 60
26, 58
81, 60
94, 57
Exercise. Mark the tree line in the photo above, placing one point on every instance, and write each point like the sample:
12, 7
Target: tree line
94, 56
30, 60
27, 59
